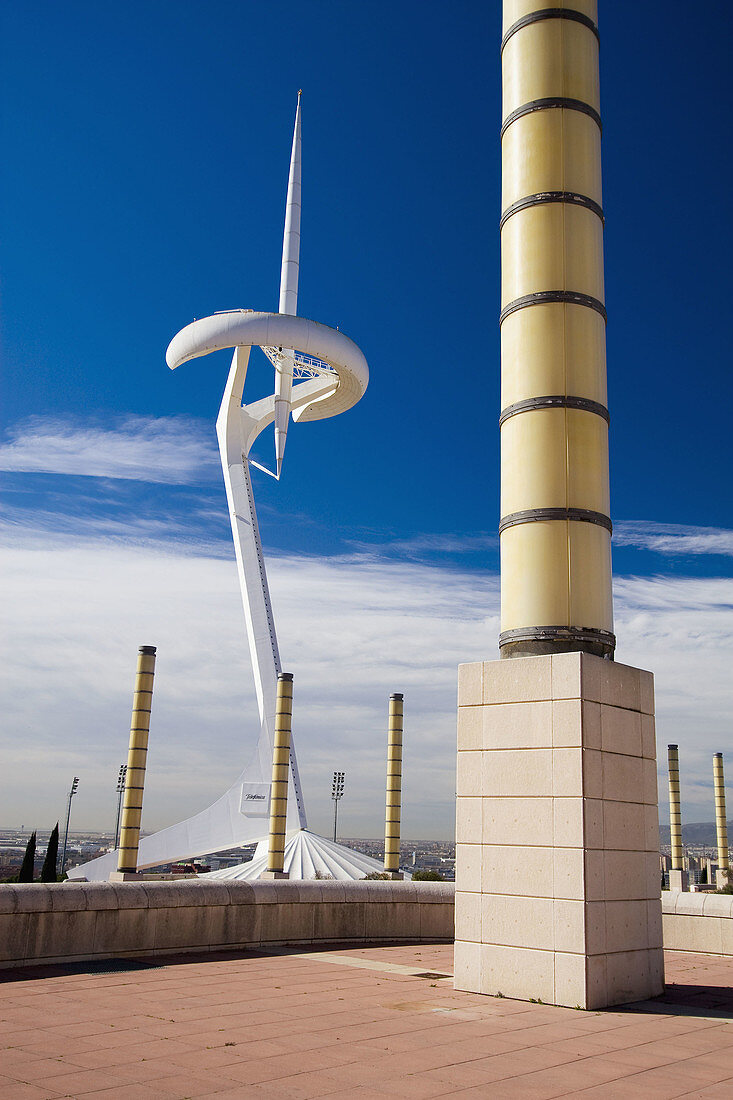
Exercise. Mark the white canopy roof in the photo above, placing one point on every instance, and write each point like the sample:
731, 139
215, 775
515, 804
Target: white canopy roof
307, 856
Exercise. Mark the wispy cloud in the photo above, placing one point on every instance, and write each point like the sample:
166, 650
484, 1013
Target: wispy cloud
352, 629
670, 538
169, 450
427, 547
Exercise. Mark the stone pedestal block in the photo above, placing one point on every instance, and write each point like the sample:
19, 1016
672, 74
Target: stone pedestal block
679, 880
557, 834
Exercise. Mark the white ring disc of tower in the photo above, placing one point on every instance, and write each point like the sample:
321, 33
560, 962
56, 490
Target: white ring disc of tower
246, 328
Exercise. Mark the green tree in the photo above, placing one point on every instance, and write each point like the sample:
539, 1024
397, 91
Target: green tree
48, 871
427, 876
26, 870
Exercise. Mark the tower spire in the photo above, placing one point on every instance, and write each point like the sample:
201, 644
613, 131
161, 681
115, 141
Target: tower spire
288, 293
291, 235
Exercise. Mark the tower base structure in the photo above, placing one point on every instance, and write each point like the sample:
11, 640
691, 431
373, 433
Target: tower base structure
557, 834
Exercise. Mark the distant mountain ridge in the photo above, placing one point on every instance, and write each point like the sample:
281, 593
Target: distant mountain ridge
698, 834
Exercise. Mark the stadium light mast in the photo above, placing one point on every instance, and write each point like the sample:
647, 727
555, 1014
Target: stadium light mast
337, 793
72, 791
122, 773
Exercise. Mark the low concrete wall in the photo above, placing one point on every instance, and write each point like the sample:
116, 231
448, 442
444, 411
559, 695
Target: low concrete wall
63, 922
697, 922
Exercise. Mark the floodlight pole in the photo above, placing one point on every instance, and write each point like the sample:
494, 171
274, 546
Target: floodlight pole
120, 791
72, 792
337, 793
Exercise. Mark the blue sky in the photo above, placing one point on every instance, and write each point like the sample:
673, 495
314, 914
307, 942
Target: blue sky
146, 152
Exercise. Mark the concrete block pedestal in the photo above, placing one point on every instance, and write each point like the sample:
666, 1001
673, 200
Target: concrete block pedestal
679, 880
557, 834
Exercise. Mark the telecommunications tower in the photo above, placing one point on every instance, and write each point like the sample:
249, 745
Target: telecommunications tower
318, 373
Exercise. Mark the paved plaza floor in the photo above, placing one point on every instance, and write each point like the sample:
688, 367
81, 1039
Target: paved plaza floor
373, 1022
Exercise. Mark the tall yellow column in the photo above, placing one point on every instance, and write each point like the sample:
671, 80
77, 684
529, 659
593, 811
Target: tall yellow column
132, 804
280, 774
555, 530
394, 787
675, 819
721, 823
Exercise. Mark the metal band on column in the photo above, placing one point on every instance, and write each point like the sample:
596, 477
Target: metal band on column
555, 401
721, 822
280, 773
565, 297
541, 14
394, 785
542, 198
675, 819
132, 805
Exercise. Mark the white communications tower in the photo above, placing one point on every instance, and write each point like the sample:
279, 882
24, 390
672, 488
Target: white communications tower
319, 372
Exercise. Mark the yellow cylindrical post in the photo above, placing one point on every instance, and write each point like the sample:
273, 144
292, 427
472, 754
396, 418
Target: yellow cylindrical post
132, 803
555, 530
394, 786
675, 819
280, 775
721, 823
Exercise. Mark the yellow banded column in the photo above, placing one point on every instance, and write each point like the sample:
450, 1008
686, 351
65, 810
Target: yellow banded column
132, 803
555, 530
394, 787
280, 776
721, 823
678, 878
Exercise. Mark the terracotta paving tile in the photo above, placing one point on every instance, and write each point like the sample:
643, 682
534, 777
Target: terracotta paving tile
82, 1030
126, 1092
712, 1092
721, 1059
357, 1074
81, 1082
346, 1079
567, 1079
500, 1067
213, 1059
106, 1057
309, 1086
360, 1094
17, 1090
183, 1085
417, 1085
701, 1071
37, 1070
108, 1039
251, 1049
45, 1045
149, 1072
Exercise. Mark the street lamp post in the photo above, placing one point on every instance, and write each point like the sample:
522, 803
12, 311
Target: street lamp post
72, 792
337, 793
120, 791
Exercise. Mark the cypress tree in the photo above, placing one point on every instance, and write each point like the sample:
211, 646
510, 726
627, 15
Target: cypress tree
48, 871
26, 870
